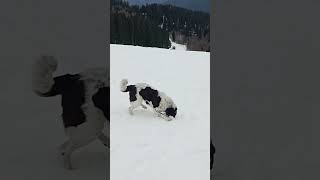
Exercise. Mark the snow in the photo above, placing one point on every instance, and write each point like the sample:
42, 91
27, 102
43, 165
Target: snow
180, 47
146, 147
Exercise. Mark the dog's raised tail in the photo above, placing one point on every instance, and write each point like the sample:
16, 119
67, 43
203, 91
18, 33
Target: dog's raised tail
123, 85
42, 78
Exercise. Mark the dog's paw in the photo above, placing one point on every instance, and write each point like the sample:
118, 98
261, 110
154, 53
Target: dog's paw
158, 114
130, 111
68, 166
169, 119
163, 116
67, 162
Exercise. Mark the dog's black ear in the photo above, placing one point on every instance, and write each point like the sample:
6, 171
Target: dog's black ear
175, 111
171, 112
65, 82
60, 86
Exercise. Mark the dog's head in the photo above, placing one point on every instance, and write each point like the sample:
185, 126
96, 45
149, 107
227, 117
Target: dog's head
171, 111
171, 108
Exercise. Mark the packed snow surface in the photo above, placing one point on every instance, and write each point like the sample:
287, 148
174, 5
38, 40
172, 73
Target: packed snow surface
147, 147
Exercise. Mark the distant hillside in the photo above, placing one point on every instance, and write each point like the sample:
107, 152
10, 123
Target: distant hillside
144, 2
199, 5
131, 27
151, 25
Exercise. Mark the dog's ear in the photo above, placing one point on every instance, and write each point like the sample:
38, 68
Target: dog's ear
64, 83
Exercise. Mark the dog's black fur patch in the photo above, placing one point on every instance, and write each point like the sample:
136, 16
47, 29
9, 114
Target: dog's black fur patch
171, 112
132, 92
72, 90
132, 89
61, 85
102, 101
151, 95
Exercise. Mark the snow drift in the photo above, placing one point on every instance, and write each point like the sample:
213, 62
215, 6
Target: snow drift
146, 147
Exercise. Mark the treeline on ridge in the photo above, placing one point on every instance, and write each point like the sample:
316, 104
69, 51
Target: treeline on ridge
151, 25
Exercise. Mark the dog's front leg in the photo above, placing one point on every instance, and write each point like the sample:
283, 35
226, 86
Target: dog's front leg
67, 155
144, 106
166, 117
130, 109
163, 116
134, 105
62, 148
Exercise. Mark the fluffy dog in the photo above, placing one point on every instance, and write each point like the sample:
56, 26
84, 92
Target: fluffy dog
162, 105
85, 103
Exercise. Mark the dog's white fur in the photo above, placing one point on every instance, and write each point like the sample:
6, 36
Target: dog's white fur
83, 134
42, 74
165, 102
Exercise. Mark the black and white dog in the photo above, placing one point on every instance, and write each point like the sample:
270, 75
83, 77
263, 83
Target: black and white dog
141, 93
85, 102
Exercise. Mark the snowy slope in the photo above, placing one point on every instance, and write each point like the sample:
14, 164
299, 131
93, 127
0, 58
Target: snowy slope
146, 147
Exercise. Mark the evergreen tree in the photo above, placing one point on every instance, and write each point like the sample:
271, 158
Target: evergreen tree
173, 36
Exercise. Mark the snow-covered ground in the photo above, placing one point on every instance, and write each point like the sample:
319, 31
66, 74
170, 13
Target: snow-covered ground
146, 147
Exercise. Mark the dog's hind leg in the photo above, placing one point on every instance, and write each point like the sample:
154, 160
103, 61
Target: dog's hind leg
104, 139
